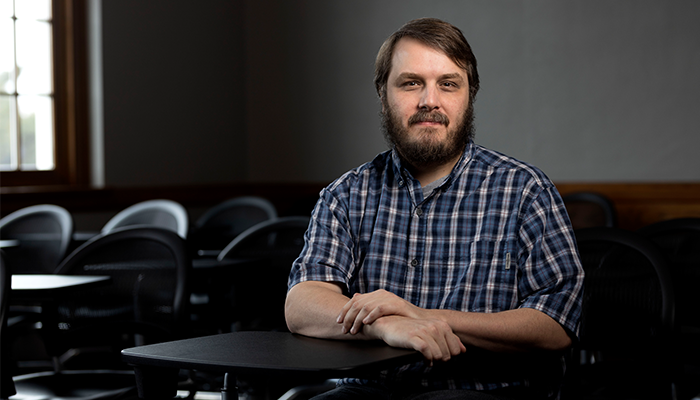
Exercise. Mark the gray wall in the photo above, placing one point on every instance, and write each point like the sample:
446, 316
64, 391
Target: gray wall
281, 91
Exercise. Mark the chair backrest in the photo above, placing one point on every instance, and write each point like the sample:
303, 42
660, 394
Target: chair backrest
150, 270
7, 387
590, 209
260, 289
679, 241
165, 214
219, 225
628, 311
44, 233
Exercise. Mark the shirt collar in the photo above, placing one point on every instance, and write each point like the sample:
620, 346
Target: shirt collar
401, 173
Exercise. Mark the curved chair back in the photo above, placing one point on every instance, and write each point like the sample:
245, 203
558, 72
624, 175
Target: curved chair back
679, 241
44, 233
7, 387
590, 209
259, 290
149, 269
222, 223
628, 315
165, 214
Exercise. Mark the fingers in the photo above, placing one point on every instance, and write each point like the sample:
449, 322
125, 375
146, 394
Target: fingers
352, 314
364, 309
441, 344
433, 338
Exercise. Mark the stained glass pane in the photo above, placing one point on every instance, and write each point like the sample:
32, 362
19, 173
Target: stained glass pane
7, 53
33, 57
36, 132
7, 143
33, 9
6, 9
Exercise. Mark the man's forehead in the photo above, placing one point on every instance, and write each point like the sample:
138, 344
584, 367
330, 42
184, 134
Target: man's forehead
411, 54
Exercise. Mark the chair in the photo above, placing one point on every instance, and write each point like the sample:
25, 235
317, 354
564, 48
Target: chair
249, 287
159, 213
679, 241
219, 225
44, 232
627, 319
145, 302
589, 209
7, 387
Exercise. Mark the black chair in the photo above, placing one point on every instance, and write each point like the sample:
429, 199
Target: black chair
257, 290
7, 387
679, 241
219, 225
165, 214
44, 233
145, 302
627, 320
590, 209
260, 289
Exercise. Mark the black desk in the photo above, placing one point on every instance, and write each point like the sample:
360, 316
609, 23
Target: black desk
266, 353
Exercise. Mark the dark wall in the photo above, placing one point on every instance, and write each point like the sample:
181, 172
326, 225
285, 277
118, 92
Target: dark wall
173, 92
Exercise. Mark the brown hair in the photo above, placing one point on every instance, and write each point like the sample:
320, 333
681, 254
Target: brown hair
437, 34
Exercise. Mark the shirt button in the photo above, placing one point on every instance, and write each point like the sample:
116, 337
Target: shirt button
400, 183
419, 212
414, 262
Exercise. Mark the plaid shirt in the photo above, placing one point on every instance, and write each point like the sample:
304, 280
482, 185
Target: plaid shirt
493, 236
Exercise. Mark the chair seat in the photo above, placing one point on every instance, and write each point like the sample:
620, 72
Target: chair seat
82, 385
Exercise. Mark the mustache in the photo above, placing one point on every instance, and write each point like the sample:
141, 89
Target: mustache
428, 116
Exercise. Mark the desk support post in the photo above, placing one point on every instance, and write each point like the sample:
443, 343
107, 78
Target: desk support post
154, 383
229, 391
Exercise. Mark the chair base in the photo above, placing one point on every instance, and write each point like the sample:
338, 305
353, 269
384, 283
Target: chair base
78, 385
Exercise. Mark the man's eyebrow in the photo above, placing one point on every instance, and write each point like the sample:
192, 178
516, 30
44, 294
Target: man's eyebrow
408, 75
454, 76
412, 75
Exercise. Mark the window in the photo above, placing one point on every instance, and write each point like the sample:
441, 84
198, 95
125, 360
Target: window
43, 112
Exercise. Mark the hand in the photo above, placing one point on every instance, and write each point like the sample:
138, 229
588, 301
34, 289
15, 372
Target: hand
364, 309
433, 338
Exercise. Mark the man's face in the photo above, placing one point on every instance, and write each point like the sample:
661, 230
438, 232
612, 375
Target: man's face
426, 111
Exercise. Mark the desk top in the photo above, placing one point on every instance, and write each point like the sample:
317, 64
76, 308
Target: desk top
32, 285
5, 243
270, 352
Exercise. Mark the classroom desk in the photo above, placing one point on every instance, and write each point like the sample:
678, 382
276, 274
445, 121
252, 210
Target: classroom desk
258, 353
8, 243
38, 286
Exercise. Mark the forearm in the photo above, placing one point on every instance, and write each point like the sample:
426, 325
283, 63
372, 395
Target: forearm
516, 330
312, 309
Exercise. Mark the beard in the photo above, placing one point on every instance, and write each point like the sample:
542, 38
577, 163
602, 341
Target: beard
422, 152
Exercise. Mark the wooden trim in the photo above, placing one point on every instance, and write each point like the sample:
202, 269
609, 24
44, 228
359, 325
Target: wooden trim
637, 204
641, 204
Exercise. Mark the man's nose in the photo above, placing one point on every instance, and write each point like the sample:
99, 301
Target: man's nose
430, 99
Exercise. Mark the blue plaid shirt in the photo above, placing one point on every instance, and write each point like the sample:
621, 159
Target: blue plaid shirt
493, 236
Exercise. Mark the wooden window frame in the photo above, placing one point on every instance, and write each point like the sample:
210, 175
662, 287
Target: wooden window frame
71, 103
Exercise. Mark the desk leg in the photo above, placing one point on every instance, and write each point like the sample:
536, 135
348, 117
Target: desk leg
155, 383
230, 390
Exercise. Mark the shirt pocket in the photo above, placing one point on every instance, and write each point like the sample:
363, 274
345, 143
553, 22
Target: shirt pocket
482, 277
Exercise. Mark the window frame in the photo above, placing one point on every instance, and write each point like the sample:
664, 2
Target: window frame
70, 103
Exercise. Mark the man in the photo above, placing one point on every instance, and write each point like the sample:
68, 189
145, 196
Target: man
440, 245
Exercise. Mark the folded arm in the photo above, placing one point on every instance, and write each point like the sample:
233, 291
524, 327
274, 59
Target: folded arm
508, 331
313, 308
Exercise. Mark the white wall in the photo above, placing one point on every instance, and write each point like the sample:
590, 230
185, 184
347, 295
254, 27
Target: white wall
588, 90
